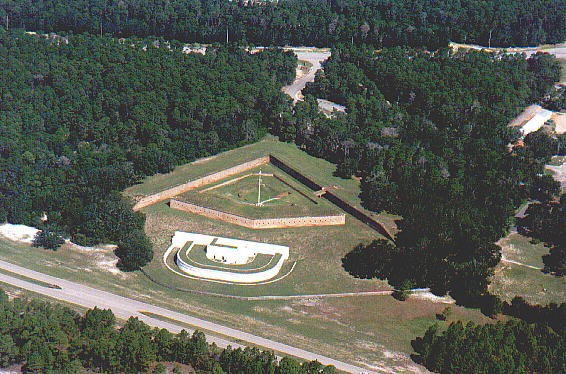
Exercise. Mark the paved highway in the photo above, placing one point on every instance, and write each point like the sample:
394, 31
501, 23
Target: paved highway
123, 308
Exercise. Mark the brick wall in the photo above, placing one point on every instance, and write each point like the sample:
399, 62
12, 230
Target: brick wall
259, 223
330, 196
177, 190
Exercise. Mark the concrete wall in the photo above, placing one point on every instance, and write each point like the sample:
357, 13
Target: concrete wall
259, 223
231, 256
177, 190
181, 238
228, 276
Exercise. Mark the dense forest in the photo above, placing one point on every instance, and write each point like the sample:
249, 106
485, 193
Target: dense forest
417, 23
50, 338
511, 347
531, 342
428, 135
85, 119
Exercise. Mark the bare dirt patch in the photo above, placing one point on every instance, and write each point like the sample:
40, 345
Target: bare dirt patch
18, 233
101, 257
560, 122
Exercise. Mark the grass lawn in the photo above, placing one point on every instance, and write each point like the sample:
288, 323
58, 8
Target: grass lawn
281, 196
512, 279
374, 330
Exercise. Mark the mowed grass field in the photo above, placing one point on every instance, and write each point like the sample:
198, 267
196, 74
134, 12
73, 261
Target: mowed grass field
280, 195
524, 277
374, 330
365, 330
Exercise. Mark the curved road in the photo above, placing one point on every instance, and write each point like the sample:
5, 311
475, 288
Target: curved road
316, 58
123, 308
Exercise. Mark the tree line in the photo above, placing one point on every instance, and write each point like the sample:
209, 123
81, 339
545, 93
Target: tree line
84, 119
417, 23
511, 347
531, 342
545, 221
50, 338
427, 134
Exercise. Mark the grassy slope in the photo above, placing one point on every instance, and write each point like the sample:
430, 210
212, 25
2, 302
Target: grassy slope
318, 169
376, 330
516, 280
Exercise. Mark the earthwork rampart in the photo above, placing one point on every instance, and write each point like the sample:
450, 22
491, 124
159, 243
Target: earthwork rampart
197, 183
268, 222
330, 196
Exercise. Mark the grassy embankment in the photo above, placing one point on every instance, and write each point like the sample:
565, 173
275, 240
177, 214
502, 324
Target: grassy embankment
376, 330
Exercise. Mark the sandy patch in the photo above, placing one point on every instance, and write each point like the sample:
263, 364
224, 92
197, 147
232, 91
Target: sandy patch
102, 257
525, 116
18, 233
429, 296
110, 266
100, 248
394, 355
383, 368
560, 121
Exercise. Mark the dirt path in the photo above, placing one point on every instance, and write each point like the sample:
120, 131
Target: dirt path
503, 243
507, 261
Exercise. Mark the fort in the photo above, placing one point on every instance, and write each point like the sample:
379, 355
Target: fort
258, 223
263, 223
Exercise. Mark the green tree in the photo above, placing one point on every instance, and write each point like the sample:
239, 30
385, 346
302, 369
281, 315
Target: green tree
134, 250
134, 350
48, 239
8, 351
